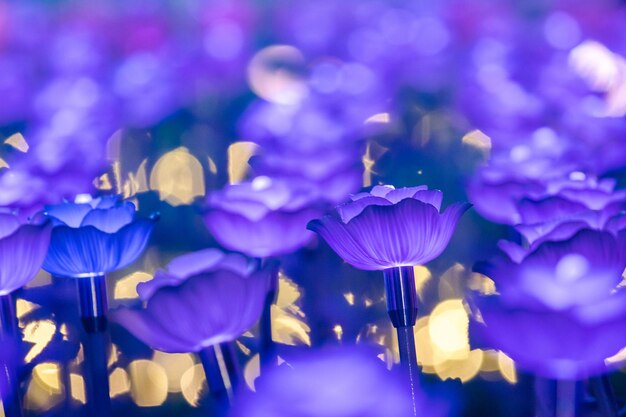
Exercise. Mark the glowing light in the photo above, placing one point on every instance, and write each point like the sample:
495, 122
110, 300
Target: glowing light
239, 153
137, 181
452, 282
273, 75
175, 366
464, 370
119, 382
448, 326
478, 140
45, 388
252, 371
507, 368
192, 384
126, 287
571, 268
39, 333
379, 118
77, 388
47, 375
338, 330
482, 284
148, 383
287, 326
422, 276
23, 307
178, 177
212, 166
349, 298
18, 142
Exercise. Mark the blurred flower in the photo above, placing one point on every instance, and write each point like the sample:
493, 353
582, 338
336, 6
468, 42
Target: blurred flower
262, 217
95, 237
390, 227
202, 299
23, 248
558, 313
338, 382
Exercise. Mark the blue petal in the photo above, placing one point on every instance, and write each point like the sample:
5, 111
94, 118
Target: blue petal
69, 214
110, 220
8, 224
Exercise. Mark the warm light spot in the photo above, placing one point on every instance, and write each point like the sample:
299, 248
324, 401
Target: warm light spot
175, 366
448, 326
192, 384
452, 282
507, 368
464, 369
137, 182
478, 140
379, 118
103, 182
422, 276
239, 153
23, 307
287, 324
482, 284
425, 354
338, 330
119, 382
18, 142
212, 166
39, 333
42, 278
178, 177
47, 375
490, 361
252, 371
113, 356
349, 298
617, 358
126, 287
148, 383
77, 384
273, 74
368, 164
4, 164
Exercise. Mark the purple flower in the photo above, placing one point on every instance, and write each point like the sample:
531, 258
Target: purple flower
338, 382
23, 249
202, 299
261, 218
95, 237
390, 227
558, 313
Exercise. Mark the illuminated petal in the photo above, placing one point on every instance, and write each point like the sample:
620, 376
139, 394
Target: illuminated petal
110, 220
21, 256
8, 224
71, 215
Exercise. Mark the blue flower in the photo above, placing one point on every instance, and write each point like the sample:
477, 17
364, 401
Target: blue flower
95, 237
23, 249
390, 227
202, 299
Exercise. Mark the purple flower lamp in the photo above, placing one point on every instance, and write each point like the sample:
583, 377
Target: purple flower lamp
558, 313
393, 230
202, 300
338, 382
263, 218
90, 238
23, 249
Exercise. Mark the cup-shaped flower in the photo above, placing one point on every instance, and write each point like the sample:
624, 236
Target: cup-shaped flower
23, 248
95, 237
558, 313
261, 218
390, 227
338, 382
202, 299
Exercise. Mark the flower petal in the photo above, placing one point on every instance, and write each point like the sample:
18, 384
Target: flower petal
399, 194
112, 219
195, 262
352, 209
8, 224
69, 214
21, 256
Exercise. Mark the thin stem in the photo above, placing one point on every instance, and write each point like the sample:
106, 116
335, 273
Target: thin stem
603, 391
402, 308
556, 398
92, 297
268, 353
214, 378
233, 369
9, 360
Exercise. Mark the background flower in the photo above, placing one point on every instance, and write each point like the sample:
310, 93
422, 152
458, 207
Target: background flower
188, 309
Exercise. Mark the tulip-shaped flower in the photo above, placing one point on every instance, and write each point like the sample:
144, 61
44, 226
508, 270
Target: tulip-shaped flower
261, 218
337, 382
23, 249
558, 313
393, 230
203, 299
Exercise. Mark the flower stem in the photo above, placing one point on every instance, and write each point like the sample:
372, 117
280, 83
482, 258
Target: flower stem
215, 380
9, 368
402, 308
557, 398
603, 391
269, 356
232, 364
92, 297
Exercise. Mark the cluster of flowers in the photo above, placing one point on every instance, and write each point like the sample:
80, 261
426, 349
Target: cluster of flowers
80, 73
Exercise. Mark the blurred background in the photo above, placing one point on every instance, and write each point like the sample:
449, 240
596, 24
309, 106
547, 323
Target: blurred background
165, 101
